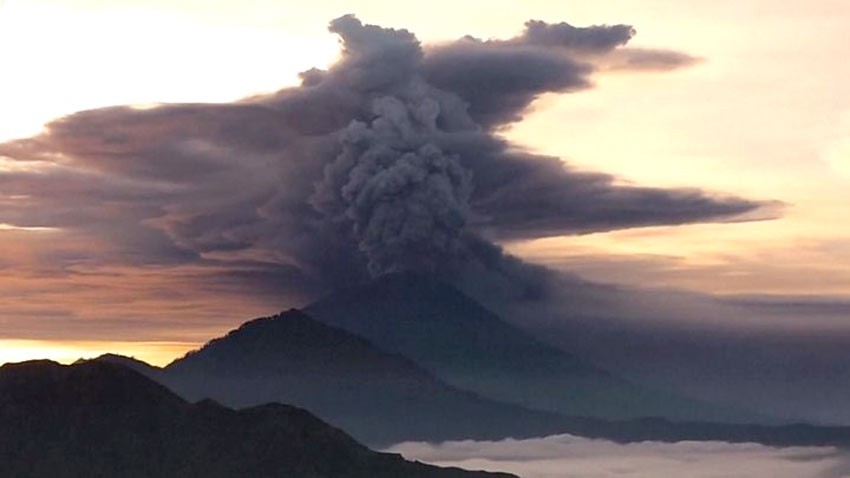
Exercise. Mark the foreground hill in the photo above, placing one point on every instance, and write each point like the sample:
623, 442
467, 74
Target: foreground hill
378, 397
98, 419
469, 347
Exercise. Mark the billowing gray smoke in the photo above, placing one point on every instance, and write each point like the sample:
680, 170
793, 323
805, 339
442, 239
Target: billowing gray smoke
406, 198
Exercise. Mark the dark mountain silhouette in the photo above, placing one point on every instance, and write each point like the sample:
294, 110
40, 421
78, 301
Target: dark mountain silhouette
99, 419
469, 347
143, 368
386, 398
378, 397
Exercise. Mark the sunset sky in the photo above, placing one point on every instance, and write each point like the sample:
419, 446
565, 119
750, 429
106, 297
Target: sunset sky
762, 112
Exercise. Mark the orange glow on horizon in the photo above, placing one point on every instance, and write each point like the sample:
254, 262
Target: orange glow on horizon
154, 353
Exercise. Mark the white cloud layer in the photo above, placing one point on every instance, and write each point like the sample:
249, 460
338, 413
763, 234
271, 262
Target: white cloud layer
566, 456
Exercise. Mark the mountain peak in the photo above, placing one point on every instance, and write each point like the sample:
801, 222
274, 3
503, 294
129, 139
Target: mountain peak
380, 397
281, 344
469, 347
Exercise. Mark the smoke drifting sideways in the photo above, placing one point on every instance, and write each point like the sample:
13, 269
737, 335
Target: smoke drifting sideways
387, 161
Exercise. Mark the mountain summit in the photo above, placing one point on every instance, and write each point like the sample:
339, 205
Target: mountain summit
471, 348
378, 397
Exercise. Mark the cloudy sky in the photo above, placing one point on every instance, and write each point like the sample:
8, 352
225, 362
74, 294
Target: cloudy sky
711, 154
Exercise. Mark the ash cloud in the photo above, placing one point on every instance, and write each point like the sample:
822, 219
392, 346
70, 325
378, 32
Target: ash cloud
385, 161
499, 79
408, 200
595, 39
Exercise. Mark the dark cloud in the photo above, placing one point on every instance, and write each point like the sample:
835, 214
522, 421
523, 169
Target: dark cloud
407, 198
530, 196
499, 79
385, 159
595, 39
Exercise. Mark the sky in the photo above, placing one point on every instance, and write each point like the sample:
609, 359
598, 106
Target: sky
756, 109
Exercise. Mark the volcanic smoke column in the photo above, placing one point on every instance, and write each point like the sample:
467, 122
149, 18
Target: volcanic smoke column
406, 199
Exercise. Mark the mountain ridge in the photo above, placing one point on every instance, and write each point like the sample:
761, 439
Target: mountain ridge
622, 431
379, 397
667, 431
100, 419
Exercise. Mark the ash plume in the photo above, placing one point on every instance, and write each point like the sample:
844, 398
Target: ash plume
406, 198
388, 160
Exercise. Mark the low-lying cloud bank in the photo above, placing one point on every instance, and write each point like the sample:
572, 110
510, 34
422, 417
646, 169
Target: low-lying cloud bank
566, 456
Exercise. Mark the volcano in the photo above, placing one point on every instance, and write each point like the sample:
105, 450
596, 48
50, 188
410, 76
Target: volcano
380, 398
384, 398
471, 348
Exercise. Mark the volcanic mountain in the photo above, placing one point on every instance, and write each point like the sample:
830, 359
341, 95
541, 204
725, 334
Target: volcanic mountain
384, 398
469, 347
98, 419
378, 397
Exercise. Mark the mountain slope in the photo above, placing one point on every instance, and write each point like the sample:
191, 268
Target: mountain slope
98, 419
471, 348
379, 398
387, 399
